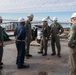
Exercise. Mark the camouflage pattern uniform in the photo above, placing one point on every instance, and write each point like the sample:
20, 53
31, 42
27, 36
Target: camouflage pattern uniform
44, 41
72, 45
55, 30
28, 36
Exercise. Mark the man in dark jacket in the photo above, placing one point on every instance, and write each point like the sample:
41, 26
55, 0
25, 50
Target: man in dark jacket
20, 35
1, 44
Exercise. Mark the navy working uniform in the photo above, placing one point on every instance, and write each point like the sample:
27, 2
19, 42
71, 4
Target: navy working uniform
20, 34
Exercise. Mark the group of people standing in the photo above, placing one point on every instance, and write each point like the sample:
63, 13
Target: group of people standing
55, 29
23, 38
23, 35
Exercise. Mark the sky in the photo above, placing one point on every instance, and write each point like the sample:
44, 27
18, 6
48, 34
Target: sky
13, 9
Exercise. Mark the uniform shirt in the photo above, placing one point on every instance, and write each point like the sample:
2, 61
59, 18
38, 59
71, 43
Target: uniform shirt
72, 35
45, 31
1, 35
56, 29
28, 29
20, 32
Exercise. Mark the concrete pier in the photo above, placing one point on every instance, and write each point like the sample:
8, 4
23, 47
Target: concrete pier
38, 63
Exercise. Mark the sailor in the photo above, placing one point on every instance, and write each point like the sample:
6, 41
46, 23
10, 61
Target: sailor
56, 30
20, 35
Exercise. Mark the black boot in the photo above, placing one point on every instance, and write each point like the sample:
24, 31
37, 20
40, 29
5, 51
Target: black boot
1, 67
40, 52
28, 55
24, 66
1, 63
45, 54
53, 54
59, 55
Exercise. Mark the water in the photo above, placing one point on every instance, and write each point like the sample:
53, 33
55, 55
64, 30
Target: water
66, 25
11, 26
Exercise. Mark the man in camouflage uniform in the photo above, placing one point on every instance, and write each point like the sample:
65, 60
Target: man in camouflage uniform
28, 34
45, 37
1, 44
56, 30
72, 45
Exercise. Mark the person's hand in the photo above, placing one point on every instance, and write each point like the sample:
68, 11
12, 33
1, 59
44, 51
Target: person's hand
31, 36
46, 38
31, 39
15, 37
48, 17
0, 44
58, 34
45, 28
26, 37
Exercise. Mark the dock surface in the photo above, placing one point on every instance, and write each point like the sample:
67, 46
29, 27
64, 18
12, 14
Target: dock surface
38, 63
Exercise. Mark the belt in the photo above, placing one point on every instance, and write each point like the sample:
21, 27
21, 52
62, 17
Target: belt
20, 40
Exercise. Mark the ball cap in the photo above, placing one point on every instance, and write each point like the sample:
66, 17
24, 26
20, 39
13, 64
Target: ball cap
44, 19
30, 15
21, 20
73, 15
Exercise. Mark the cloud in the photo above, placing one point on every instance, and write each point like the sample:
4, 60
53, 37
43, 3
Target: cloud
31, 6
